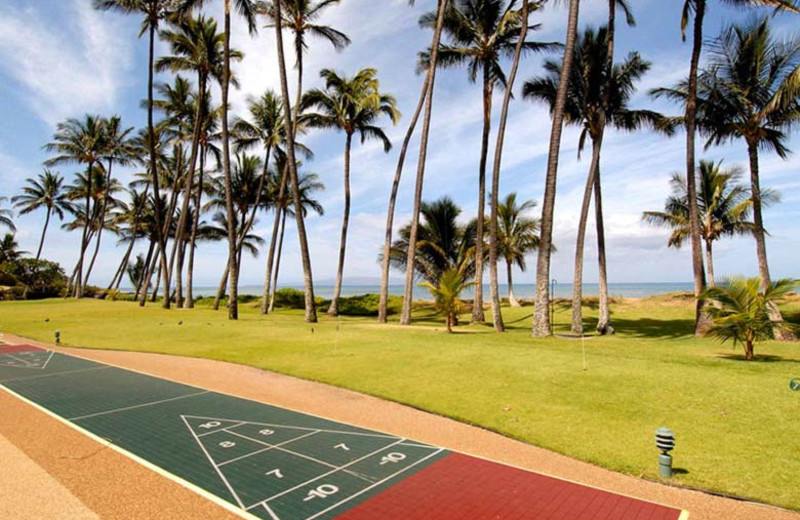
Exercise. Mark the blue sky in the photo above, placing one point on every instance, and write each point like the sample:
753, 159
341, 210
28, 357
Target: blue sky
59, 59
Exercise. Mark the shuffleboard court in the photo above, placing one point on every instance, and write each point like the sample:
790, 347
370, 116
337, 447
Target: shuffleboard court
270, 463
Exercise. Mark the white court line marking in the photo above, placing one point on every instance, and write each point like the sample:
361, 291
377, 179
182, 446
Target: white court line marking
351, 497
414, 445
47, 362
4, 381
273, 497
269, 446
221, 502
15, 358
137, 406
215, 431
211, 460
271, 513
292, 427
286, 451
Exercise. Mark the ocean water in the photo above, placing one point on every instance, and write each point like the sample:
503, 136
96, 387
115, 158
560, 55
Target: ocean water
624, 290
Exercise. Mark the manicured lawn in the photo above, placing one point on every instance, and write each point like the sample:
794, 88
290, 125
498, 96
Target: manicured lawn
736, 422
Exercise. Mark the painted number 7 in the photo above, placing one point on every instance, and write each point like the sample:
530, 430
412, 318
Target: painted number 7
323, 491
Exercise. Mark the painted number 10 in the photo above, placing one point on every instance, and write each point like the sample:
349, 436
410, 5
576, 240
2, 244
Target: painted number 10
323, 491
393, 458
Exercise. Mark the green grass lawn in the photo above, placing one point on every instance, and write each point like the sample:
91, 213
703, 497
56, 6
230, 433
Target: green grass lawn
736, 422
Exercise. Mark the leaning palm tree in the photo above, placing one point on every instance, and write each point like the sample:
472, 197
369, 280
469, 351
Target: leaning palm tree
80, 142
45, 191
481, 33
594, 100
197, 47
352, 105
6, 216
723, 205
541, 315
699, 8
154, 12
517, 236
750, 91
430, 82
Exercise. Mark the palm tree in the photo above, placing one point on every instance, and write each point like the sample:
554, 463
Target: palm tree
447, 294
541, 315
749, 91
517, 235
444, 244
741, 311
481, 33
45, 191
154, 12
430, 83
197, 47
594, 100
699, 8
9, 249
6, 216
130, 220
309, 185
353, 106
723, 204
308, 282
80, 142
135, 270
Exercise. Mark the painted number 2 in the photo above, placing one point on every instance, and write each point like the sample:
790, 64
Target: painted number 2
323, 491
393, 458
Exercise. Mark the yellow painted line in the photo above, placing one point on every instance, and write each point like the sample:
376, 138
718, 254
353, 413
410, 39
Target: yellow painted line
185, 483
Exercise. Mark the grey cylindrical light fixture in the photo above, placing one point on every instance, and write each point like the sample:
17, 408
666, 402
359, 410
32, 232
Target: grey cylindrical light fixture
57, 334
665, 441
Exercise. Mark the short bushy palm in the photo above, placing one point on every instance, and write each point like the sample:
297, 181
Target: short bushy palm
6, 216
741, 311
447, 292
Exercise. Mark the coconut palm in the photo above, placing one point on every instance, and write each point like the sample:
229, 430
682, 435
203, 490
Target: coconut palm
135, 269
6, 215
723, 204
594, 101
430, 83
517, 236
447, 294
698, 8
45, 191
9, 249
309, 185
79, 142
352, 105
741, 311
443, 244
154, 12
541, 315
308, 282
197, 47
129, 219
749, 91
479, 34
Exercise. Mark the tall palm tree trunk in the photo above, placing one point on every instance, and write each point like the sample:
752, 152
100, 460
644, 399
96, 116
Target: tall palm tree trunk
265, 306
308, 282
277, 263
494, 288
541, 314
701, 318
233, 268
142, 276
387, 244
512, 298
154, 166
189, 302
221, 289
604, 319
44, 232
101, 223
478, 315
179, 275
147, 280
333, 310
120, 272
577, 278
85, 237
408, 290
712, 281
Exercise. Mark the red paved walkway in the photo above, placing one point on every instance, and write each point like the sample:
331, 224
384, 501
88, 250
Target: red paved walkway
460, 487
16, 349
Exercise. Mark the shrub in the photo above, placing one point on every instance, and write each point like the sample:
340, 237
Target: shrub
41, 278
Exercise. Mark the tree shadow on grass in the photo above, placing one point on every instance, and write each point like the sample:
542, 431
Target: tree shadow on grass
653, 328
760, 358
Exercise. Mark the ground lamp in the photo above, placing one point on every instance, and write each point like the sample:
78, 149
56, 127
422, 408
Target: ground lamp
665, 441
58, 337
